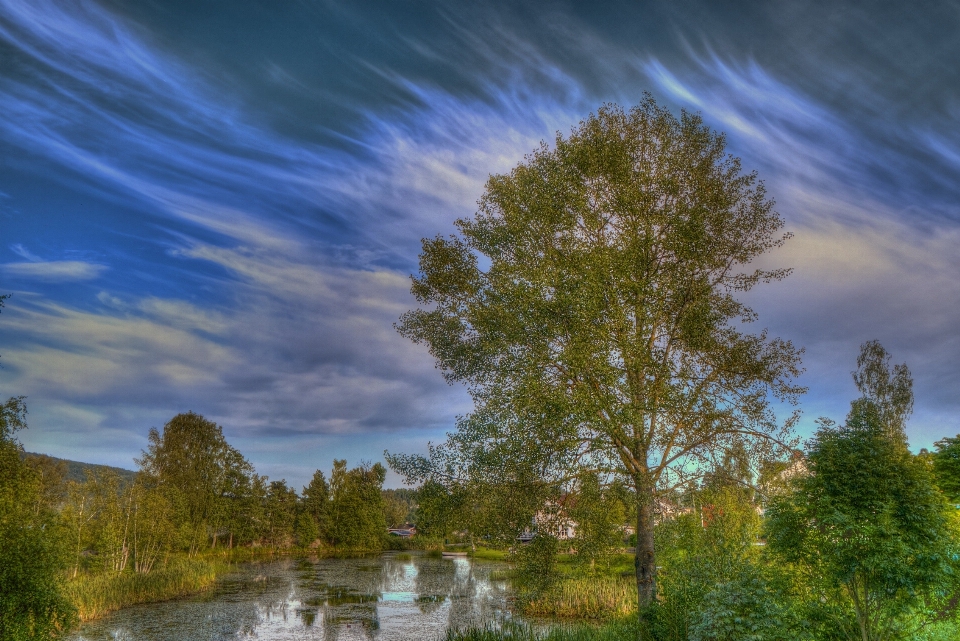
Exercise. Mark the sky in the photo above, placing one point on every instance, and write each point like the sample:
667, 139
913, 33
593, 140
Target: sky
216, 205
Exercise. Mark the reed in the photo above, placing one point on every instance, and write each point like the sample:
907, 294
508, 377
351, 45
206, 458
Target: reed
585, 598
621, 630
98, 594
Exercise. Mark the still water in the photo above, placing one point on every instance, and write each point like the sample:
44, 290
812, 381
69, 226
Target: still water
387, 598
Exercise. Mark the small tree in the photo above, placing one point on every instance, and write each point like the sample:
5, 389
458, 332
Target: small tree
590, 308
32, 604
704, 552
867, 527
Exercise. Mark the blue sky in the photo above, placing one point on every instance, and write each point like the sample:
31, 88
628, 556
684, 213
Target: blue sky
215, 206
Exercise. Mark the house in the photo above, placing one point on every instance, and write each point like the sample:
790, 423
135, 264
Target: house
404, 532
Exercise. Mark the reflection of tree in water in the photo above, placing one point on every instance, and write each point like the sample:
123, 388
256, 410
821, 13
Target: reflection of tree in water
433, 583
343, 596
476, 601
354, 621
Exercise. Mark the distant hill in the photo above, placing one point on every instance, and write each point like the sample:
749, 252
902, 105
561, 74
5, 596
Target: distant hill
76, 471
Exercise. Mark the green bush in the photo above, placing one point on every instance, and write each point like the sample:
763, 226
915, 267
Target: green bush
747, 608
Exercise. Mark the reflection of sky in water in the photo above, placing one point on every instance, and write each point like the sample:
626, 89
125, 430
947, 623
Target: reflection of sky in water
388, 598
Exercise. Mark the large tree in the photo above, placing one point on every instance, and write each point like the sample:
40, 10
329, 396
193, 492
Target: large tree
590, 308
356, 505
200, 473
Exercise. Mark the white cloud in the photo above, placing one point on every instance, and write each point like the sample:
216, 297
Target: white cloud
54, 270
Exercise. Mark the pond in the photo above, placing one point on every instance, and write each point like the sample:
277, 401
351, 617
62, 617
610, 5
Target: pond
392, 597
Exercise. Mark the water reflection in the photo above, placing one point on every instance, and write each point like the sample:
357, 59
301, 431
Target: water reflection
387, 598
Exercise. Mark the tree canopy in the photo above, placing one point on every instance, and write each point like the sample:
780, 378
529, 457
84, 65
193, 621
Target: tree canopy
198, 469
866, 525
590, 308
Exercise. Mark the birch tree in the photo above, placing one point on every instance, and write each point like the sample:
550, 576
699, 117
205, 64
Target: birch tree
591, 309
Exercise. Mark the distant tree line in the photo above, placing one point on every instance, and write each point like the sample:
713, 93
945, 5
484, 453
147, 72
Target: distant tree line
194, 492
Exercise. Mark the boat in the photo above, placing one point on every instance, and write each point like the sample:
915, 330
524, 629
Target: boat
447, 554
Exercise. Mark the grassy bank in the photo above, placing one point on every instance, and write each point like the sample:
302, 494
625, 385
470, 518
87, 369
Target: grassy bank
619, 630
586, 598
490, 554
96, 595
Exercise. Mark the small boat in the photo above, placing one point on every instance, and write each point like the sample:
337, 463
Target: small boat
447, 554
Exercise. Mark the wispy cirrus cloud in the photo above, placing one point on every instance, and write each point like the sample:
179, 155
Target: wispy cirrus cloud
279, 264
53, 270
872, 258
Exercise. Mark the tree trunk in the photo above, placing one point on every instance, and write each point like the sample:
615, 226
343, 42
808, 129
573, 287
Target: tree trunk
645, 560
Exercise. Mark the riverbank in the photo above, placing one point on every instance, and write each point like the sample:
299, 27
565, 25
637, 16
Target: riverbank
95, 595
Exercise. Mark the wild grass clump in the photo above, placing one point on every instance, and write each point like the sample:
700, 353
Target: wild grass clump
620, 630
96, 595
586, 598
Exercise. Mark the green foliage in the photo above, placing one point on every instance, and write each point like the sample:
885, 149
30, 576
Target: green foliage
315, 502
946, 467
94, 595
32, 604
536, 566
281, 514
201, 474
436, 509
616, 630
869, 530
605, 333
306, 529
356, 507
400, 506
747, 607
593, 597
890, 390
699, 551
600, 514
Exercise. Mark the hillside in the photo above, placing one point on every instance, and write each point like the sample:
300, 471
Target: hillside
76, 470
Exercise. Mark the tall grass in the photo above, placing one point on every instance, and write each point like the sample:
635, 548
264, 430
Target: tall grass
586, 598
620, 630
96, 595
